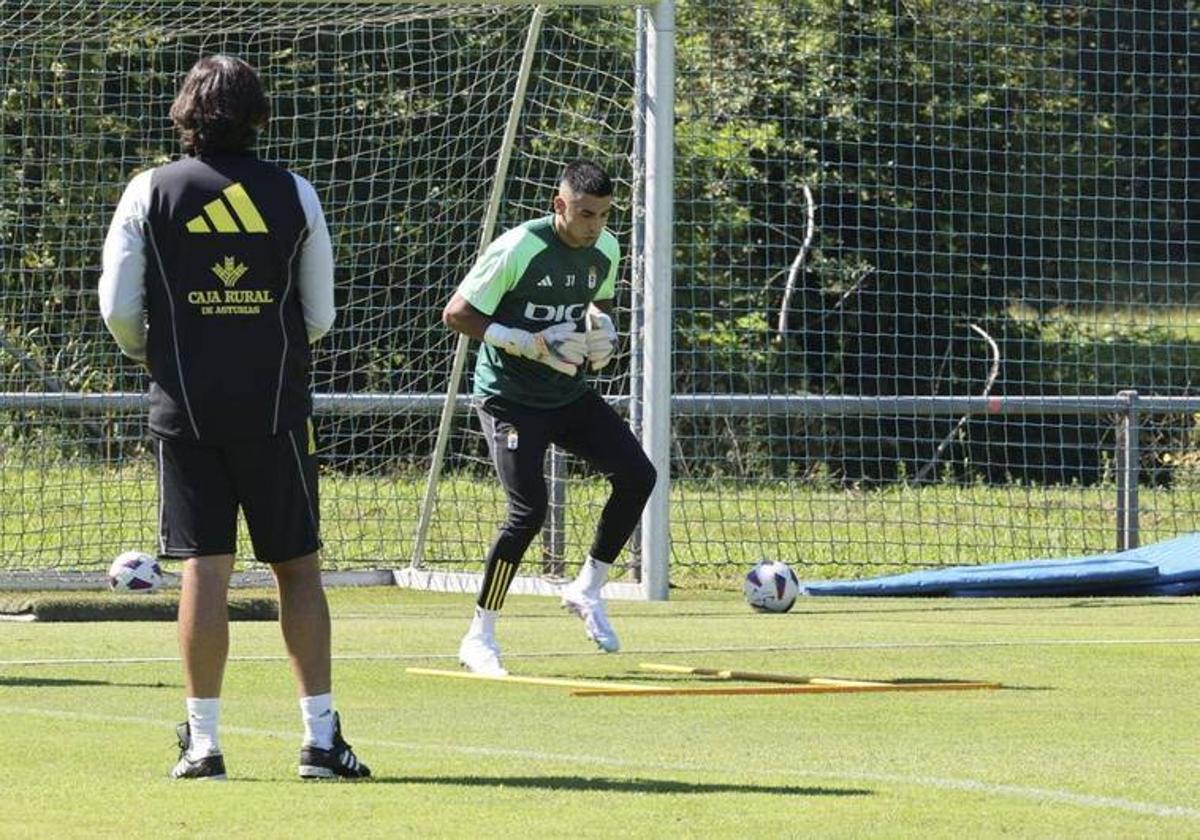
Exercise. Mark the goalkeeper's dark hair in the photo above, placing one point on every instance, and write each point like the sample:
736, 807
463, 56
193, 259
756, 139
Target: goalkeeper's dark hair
587, 177
220, 106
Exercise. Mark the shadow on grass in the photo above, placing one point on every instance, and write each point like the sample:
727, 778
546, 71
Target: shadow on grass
67, 682
610, 785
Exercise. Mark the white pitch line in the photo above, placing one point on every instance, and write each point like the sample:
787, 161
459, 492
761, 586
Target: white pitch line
551, 654
1035, 794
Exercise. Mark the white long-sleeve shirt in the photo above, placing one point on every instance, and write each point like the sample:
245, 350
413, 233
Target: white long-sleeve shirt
122, 280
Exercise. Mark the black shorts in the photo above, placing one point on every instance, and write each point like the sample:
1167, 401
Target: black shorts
589, 428
273, 480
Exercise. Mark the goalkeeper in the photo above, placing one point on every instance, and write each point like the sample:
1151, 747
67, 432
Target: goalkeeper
540, 299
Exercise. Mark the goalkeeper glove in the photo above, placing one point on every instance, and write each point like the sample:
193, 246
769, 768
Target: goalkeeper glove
558, 346
601, 338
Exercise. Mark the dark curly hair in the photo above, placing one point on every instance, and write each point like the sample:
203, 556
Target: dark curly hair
220, 106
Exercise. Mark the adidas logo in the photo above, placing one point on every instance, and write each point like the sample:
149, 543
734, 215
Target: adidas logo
546, 281
217, 217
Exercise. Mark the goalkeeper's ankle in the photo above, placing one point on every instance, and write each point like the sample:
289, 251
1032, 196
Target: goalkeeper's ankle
483, 624
592, 576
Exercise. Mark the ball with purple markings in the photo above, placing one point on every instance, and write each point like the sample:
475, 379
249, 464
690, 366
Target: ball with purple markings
771, 586
134, 571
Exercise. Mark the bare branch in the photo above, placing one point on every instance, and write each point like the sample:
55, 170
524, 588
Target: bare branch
992, 374
798, 263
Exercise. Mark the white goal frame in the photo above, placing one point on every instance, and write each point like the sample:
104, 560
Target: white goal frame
651, 391
650, 397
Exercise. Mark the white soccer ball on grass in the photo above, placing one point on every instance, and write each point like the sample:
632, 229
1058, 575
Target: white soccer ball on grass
134, 571
771, 586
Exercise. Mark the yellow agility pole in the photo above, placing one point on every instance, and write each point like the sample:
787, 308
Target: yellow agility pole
551, 681
784, 689
752, 676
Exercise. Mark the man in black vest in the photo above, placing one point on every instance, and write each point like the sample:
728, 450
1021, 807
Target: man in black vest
218, 274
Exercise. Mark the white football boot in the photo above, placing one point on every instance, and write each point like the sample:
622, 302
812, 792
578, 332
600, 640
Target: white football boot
480, 654
595, 618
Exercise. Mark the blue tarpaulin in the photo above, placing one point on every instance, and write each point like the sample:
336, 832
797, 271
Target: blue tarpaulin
1166, 568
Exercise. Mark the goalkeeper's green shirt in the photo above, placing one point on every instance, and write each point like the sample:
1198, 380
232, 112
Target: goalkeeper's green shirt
530, 279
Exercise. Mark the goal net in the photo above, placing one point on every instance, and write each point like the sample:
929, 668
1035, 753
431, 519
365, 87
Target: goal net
396, 113
923, 253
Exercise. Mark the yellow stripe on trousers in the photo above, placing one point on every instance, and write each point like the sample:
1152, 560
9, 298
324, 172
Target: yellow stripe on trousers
501, 580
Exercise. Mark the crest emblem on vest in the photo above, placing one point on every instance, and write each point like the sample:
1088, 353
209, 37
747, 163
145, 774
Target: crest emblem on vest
229, 271
592, 276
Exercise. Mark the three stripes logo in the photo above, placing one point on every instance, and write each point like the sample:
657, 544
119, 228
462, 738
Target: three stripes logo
217, 217
502, 576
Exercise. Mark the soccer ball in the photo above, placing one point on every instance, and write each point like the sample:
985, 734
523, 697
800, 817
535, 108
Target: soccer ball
771, 586
134, 571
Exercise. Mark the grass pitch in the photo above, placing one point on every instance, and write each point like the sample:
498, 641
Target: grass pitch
1094, 734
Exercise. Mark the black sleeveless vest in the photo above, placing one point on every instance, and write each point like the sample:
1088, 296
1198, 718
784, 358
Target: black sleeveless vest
227, 345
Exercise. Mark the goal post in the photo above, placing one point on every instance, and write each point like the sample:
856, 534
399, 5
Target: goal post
655, 110
659, 270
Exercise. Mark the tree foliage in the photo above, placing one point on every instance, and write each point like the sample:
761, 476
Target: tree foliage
973, 162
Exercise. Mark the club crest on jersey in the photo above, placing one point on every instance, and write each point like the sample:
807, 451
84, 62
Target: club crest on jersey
230, 271
556, 314
592, 276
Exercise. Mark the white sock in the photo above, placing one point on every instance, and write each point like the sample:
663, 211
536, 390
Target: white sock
203, 715
483, 623
317, 713
592, 576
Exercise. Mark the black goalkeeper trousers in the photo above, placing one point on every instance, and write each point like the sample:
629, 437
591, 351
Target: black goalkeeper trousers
518, 437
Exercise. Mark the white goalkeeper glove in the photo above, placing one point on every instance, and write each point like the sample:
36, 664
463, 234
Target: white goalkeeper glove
601, 338
560, 346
